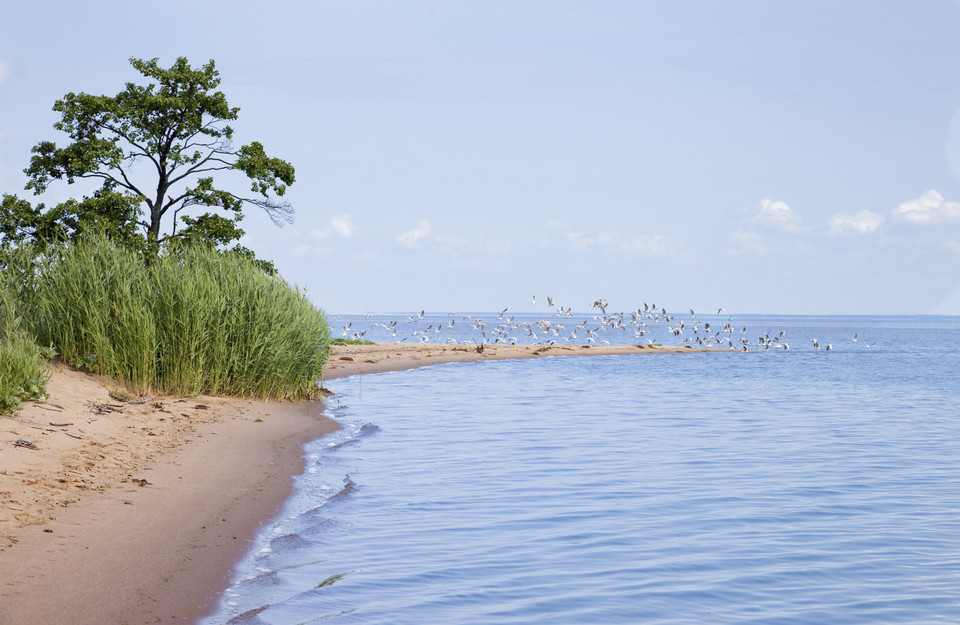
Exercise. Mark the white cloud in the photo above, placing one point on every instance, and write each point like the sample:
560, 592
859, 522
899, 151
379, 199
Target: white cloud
747, 242
413, 238
776, 215
6, 70
309, 251
580, 240
343, 225
864, 222
929, 208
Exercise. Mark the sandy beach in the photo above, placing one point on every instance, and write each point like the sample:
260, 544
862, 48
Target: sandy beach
348, 360
131, 512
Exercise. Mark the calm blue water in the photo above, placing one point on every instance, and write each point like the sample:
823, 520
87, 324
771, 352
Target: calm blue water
780, 486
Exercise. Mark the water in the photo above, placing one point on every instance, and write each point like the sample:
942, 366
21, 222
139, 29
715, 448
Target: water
796, 486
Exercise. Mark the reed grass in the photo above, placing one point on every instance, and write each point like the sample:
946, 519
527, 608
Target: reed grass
195, 320
23, 366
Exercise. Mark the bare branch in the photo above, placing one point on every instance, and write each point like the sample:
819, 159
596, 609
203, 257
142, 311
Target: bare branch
198, 167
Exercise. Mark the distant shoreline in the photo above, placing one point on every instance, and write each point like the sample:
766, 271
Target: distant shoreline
351, 359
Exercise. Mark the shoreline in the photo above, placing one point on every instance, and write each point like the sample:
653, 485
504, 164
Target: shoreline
134, 513
138, 515
349, 359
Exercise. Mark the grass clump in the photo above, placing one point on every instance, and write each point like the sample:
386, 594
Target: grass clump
23, 365
195, 320
352, 342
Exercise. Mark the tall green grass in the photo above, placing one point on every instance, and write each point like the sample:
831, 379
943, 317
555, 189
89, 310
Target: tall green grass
193, 321
23, 367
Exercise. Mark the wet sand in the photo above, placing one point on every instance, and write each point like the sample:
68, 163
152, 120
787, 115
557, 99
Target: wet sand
128, 513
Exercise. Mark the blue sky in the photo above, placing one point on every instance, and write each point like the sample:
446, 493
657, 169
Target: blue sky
767, 157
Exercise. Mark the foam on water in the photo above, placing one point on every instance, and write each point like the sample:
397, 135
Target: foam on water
780, 487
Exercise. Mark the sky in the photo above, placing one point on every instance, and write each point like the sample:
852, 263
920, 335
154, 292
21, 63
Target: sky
765, 157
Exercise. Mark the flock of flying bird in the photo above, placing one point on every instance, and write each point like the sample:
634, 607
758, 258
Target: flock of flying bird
637, 326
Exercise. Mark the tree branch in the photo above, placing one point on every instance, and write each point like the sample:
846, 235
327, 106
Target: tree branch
196, 167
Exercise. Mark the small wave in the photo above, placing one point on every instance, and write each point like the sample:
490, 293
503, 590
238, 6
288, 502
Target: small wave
249, 617
365, 430
287, 541
348, 487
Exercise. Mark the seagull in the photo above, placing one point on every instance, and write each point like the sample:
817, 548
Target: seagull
816, 344
854, 339
720, 310
550, 302
533, 300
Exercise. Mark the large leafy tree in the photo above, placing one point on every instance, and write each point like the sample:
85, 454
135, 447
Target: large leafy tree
156, 148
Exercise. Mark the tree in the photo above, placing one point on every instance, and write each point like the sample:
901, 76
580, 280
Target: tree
156, 149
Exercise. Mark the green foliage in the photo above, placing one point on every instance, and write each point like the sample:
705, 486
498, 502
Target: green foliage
194, 321
23, 369
106, 211
156, 149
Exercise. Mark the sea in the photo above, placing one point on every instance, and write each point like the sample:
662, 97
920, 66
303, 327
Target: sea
777, 485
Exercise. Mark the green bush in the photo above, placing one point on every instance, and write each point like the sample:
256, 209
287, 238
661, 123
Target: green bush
193, 321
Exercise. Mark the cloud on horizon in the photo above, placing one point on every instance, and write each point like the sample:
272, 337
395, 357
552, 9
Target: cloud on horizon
414, 238
930, 208
343, 226
864, 222
774, 215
